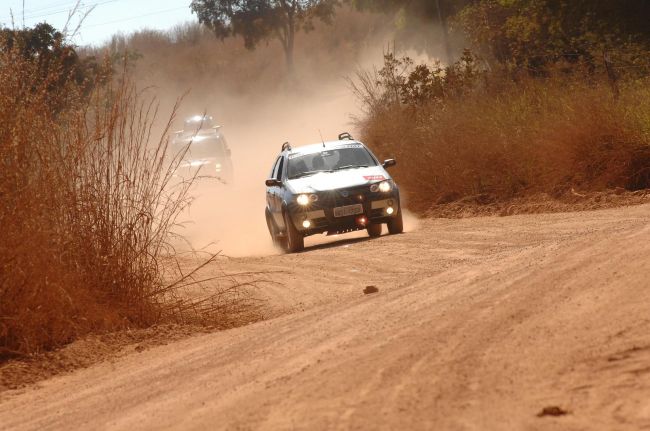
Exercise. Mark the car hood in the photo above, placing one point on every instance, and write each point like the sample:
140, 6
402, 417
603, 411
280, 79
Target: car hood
338, 179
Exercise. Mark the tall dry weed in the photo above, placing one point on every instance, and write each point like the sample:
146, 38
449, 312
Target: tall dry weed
88, 207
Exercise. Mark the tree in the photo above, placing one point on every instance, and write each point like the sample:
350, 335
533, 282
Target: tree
54, 64
257, 20
531, 35
47, 47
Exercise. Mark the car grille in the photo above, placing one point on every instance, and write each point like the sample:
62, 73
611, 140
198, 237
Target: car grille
343, 197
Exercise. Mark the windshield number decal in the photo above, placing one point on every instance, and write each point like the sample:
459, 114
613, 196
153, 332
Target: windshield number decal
374, 177
349, 146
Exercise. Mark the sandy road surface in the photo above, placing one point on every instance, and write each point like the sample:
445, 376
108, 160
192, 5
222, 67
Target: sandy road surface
478, 324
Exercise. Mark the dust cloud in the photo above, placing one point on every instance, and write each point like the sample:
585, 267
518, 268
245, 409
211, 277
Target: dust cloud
230, 218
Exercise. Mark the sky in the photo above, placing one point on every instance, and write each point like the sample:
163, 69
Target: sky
106, 19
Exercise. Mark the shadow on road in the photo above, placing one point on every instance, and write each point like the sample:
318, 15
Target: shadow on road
335, 243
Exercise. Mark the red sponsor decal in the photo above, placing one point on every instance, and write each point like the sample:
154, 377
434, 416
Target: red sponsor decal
374, 177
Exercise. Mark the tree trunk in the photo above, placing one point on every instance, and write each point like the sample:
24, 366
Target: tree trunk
288, 49
288, 55
445, 34
611, 75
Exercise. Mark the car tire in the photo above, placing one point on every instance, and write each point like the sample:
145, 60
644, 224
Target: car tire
396, 224
294, 241
273, 230
374, 230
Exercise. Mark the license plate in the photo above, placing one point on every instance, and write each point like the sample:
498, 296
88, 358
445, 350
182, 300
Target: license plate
348, 210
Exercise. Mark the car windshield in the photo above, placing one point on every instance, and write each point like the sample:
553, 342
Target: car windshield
198, 122
329, 160
203, 147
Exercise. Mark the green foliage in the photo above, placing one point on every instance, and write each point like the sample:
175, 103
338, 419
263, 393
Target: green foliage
46, 47
530, 35
533, 35
399, 81
258, 20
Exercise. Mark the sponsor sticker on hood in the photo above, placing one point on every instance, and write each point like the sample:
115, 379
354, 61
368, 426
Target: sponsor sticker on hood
374, 177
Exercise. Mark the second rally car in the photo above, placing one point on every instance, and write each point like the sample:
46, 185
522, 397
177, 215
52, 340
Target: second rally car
331, 187
204, 149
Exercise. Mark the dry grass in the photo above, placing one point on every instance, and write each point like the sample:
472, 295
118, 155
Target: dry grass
512, 139
87, 210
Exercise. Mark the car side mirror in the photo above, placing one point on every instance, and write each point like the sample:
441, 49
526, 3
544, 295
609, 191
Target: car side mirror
272, 182
388, 163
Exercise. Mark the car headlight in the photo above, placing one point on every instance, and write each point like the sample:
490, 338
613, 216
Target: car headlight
217, 167
384, 187
306, 199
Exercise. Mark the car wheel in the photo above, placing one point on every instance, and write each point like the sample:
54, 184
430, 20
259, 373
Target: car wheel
374, 230
396, 224
273, 231
294, 240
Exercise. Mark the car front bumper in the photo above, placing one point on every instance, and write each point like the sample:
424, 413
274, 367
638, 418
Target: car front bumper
322, 219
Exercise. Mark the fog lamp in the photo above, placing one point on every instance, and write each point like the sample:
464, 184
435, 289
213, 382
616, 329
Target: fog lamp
306, 224
390, 210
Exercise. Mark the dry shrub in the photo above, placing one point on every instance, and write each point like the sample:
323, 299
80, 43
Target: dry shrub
87, 210
506, 139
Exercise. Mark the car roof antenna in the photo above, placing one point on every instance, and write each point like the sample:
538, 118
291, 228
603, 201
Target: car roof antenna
321, 137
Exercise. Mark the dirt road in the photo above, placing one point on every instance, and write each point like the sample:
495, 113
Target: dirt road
478, 324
